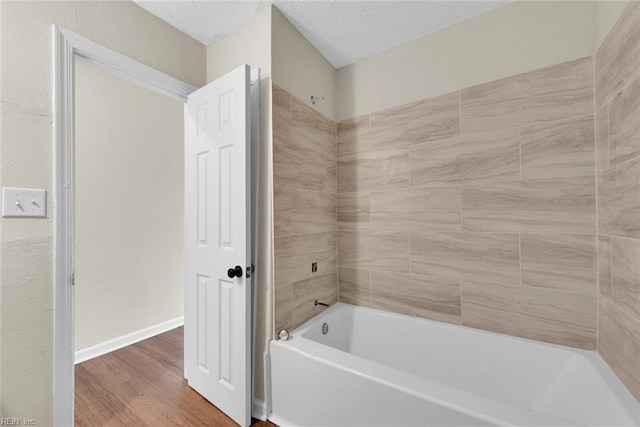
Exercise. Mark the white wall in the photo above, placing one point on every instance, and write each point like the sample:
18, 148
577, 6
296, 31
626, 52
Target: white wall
519, 37
129, 207
608, 13
250, 43
300, 69
26, 155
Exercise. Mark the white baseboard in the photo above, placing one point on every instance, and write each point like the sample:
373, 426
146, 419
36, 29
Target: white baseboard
259, 410
266, 357
280, 421
125, 340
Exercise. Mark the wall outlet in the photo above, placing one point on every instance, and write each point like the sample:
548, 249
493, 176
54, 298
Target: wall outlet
24, 202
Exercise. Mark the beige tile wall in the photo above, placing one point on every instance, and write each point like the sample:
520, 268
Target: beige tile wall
617, 88
477, 207
304, 156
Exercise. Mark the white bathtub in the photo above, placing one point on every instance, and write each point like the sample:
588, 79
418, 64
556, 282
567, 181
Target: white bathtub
374, 368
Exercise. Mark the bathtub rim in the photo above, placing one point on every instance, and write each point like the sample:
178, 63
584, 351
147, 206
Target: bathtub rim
306, 326
466, 402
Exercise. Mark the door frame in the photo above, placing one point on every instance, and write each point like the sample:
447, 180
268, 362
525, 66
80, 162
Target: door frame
68, 47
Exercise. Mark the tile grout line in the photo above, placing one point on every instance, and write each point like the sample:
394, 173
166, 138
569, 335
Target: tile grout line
482, 282
449, 184
613, 236
597, 172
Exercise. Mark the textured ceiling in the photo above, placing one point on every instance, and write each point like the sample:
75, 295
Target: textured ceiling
343, 31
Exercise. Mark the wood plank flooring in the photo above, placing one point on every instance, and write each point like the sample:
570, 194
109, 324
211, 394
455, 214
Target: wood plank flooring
143, 385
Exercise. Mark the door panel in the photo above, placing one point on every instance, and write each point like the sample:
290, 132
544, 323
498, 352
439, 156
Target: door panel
218, 238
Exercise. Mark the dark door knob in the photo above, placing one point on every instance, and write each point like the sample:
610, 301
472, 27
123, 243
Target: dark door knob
234, 272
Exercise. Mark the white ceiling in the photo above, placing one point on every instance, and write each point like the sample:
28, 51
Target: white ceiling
343, 31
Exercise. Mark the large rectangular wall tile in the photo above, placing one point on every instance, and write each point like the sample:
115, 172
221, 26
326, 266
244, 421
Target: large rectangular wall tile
478, 257
602, 139
559, 148
296, 166
560, 91
558, 205
619, 200
618, 57
489, 306
312, 211
293, 268
311, 129
414, 295
619, 344
626, 274
282, 210
382, 250
281, 113
374, 171
353, 136
296, 161
283, 307
323, 288
559, 261
299, 244
624, 122
604, 266
354, 211
489, 156
354, 286
417, 209
331, 177
567, 318
426, 120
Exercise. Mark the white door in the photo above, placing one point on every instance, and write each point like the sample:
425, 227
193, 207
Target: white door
217, 316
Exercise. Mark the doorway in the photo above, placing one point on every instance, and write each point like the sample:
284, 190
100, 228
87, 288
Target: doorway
69, 48
129, 170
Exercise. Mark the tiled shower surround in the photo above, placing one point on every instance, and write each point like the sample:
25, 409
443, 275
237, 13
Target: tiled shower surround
477, 207
512, 206
617, 90
304, 181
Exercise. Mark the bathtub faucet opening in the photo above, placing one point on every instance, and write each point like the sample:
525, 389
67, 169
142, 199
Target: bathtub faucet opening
316, 302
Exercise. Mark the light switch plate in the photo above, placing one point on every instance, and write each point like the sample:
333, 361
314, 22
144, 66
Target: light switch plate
24, 202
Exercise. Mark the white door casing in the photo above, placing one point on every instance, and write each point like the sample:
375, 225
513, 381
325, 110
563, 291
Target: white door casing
218, 238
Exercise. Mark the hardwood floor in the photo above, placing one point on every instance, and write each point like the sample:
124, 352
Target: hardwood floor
143, 384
